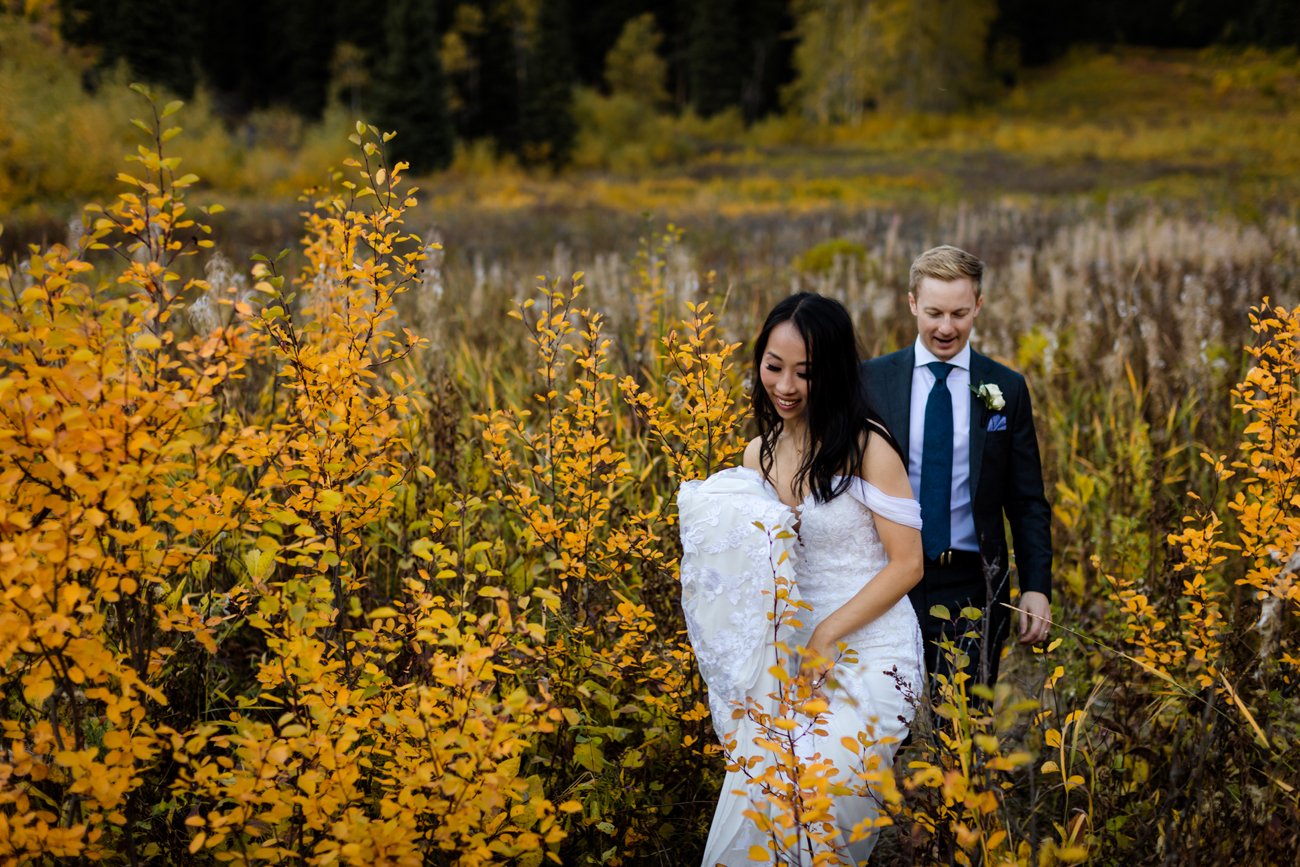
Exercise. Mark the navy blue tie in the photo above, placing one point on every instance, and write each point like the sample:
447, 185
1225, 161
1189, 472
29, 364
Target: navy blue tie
936, 465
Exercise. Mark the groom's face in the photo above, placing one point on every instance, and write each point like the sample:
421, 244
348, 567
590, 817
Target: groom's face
945, 312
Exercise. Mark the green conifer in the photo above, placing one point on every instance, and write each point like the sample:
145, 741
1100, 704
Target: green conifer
716, 68
548, 128
156, 38
411, 89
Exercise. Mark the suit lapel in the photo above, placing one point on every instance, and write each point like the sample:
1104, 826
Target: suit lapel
979, 372
900, 399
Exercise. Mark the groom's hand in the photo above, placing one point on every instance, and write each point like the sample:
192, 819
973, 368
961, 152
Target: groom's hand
1035, 617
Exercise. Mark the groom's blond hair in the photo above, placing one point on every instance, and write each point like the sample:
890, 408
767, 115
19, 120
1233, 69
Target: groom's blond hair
946, 263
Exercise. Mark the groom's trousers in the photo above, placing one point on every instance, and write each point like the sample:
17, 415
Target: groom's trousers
958, 580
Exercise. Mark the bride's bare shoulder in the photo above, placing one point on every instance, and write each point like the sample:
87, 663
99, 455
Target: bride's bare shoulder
750, 459
882, 466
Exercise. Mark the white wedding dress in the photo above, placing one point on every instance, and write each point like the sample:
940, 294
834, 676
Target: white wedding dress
730, 557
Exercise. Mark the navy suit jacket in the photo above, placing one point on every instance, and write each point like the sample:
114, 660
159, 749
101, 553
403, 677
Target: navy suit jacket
1006, 472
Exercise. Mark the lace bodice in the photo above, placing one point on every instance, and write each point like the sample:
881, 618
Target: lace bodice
837, 539
837, 553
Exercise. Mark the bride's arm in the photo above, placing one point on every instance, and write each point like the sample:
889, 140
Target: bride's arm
882, 467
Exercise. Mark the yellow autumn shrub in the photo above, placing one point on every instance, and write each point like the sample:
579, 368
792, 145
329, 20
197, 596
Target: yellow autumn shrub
184, 538
584, 494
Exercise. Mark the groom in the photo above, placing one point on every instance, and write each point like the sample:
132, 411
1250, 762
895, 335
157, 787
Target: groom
964, 422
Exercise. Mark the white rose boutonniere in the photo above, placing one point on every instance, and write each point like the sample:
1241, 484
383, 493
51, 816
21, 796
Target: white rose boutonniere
991, 395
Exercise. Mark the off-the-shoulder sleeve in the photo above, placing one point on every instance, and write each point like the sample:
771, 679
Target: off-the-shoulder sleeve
900, 510
736, 539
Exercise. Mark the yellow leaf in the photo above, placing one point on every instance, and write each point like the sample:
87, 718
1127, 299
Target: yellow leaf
589, 756
260, 562
758, 853
147, 342
37, 689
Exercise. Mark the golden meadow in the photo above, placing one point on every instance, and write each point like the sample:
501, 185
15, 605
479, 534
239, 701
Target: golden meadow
365, 554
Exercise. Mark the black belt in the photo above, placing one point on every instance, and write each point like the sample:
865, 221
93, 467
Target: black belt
957, 559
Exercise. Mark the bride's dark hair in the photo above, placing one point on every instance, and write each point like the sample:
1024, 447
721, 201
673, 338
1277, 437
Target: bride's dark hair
837, 407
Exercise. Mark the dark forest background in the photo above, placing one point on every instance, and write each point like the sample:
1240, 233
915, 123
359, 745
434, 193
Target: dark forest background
506, 71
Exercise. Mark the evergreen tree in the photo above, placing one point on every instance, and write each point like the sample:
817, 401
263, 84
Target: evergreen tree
482, 69
498, 77
236, 59
355, 23
1035, 32
764, 55
410, 88
1273, 23
157, 39
85, 22
716, 71
595, 27
674, 20
548, 129
357, 55
309, 42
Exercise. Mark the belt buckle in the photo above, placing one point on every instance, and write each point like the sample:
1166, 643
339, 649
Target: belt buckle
945, 559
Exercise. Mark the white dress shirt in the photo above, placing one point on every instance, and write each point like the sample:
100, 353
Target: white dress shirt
963, 517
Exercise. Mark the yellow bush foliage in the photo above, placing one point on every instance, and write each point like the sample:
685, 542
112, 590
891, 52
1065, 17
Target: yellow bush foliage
173, 499
50, 158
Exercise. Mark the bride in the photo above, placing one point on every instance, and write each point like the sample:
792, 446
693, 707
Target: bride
795, 572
